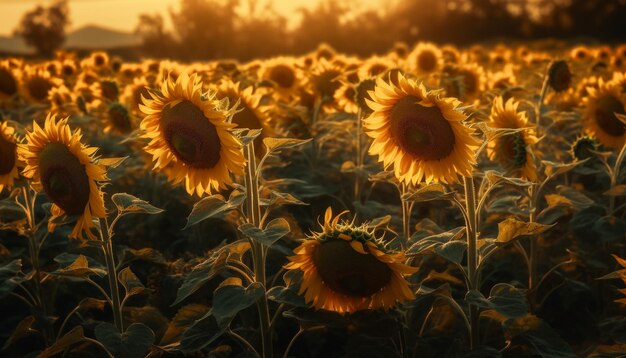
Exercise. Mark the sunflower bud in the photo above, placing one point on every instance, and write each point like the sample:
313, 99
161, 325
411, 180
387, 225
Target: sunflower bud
559, 76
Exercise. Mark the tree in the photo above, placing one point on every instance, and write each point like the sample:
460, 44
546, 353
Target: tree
157, 42
44, 28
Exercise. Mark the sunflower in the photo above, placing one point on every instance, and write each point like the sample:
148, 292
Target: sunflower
580, 53
502, 80
418, 132
56, 160
8, 156
68, 68
36, 83
9, 80
465, 81
559, 76
98, 60
134, 92
118, 119
583, 148
375, 66
59, 98
600, 120
250, 113
347, 269
345, 98
325, 79
189, 136
282, 73
425, 58
512, 151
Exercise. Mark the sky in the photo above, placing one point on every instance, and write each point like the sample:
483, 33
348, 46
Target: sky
123, 14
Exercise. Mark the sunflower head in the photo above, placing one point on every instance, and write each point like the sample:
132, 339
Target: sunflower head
189, 134
99, 60
512, 151
361, 95
347, 269
69, 174
583, 148
36, 83
109, 89
68, 68
282, 73
559, 76
325, 79
8, 156
605, 105
425, 58
118, 119
419, 133
400, 49
9, 80
580, 53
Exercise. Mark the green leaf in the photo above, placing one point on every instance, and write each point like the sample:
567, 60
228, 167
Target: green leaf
128, 204
553, 169
230, 298
69, 339
273, 231
184, 318
146, 254
201, 334
512, 228
428, 193
508, 300
543, 339
476, 298
277, 199
9, 278
453, 251
79, 268
246, 135
494, 178
617, 190
134, 342
132, 284
278, 144
286, 295
201, 274
214, 205
23, 329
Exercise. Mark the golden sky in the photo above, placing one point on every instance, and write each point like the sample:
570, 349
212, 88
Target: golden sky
123, 14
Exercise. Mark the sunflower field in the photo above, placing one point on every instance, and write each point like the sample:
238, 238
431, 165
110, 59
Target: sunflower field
433, 201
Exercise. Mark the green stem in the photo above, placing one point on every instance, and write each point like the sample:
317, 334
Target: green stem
33, 251
359, 157
258, 253
544, 90
532, 257
472, 256
107, 247
615, 176
406, 215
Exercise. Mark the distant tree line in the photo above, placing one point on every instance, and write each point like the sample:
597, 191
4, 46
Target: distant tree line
210, 29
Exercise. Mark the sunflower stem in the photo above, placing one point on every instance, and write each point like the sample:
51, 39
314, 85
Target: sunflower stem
107, 248
544, 90
615, 176
533, 251
258, 253
33, 251
406, 215
359, 157
472, 256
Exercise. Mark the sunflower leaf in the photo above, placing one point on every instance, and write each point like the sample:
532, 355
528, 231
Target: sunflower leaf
453, 251
80, 268
512, 228
69, 339
9, 278
278, 144
127, 204
132, 284
286, 295
134, 342
214, 205
201, 274
231, 297
274, 230
202, 333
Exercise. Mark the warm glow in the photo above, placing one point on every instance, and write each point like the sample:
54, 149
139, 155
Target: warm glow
122, 14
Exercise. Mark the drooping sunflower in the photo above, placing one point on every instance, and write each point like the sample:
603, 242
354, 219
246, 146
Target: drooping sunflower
68, 172
425, 58
421, 134
118, 119
8, 156
600, 120
512, 151
325, 79
347, 269
189, 136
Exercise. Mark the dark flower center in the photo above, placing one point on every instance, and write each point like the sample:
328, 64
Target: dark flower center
560, 76
8, 83
191, 136
38, 88
421, 131
513, 151
283, 76
7, 156
64, 178
68, 70
348, 272
427, 61
605, 116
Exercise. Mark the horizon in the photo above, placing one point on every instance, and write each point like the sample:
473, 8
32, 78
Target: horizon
84, 13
